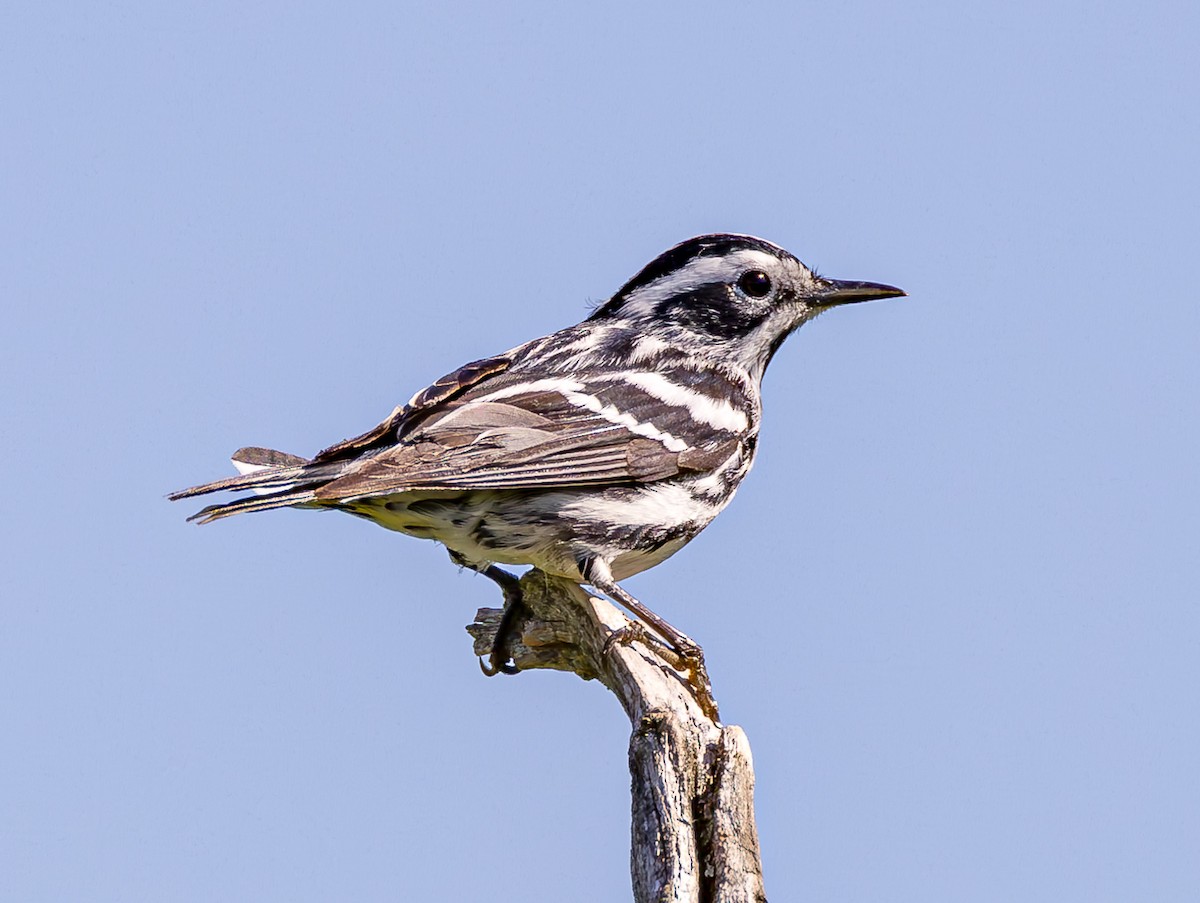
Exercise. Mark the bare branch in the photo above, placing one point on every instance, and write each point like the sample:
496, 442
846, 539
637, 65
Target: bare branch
694, 837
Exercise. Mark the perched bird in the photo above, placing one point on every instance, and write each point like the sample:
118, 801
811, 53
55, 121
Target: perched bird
592, 453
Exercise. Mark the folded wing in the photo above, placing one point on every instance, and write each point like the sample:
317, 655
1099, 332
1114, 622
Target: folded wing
539, 434
487, 428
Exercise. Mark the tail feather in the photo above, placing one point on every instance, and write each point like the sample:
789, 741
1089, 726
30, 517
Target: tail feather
281, 499
277, 479
251, 459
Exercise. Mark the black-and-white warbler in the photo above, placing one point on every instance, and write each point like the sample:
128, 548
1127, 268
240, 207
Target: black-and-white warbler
593, 453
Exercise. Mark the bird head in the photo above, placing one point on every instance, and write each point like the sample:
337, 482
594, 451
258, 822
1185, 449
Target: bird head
735, 295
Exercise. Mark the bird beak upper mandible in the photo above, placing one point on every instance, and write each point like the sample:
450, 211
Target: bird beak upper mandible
840, 291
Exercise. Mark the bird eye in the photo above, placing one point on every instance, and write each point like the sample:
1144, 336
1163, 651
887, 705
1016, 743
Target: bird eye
755, 283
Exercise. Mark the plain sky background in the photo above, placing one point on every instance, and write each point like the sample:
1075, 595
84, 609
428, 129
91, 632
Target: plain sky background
955, 606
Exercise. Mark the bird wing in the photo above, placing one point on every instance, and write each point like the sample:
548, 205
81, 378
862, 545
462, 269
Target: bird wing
517, 432
420, 404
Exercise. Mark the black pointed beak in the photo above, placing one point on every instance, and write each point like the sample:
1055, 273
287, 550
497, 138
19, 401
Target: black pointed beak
839, 291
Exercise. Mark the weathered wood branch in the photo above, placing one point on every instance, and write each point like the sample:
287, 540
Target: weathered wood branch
694, 836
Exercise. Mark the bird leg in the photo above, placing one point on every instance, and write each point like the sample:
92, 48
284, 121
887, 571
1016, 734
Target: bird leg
499, 661
690, 657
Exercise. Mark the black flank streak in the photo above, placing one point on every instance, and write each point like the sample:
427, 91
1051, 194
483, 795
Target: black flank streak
646, 538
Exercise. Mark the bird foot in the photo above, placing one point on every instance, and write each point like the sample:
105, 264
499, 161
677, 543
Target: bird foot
499, 661
684, 655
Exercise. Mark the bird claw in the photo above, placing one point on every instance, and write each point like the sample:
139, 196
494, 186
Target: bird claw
633, 632
684, 656
701, 685
497, 665
499, 659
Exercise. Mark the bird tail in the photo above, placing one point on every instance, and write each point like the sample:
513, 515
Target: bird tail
277, 479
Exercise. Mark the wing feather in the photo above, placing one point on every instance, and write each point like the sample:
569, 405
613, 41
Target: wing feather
540, 439
488, 426
425, 401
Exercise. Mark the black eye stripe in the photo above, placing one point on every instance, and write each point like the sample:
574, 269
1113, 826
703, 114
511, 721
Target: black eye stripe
755, 283
709, 310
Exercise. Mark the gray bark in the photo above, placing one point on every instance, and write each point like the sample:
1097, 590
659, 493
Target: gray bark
694, 837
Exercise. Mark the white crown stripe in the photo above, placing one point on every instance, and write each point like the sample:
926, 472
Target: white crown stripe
697, 272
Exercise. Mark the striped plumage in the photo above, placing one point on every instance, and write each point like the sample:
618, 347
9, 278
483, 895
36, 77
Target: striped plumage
592, 453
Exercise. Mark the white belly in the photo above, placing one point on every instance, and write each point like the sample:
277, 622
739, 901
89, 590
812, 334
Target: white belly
631, 528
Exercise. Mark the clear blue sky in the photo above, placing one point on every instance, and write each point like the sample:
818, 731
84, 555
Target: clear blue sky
955, 607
